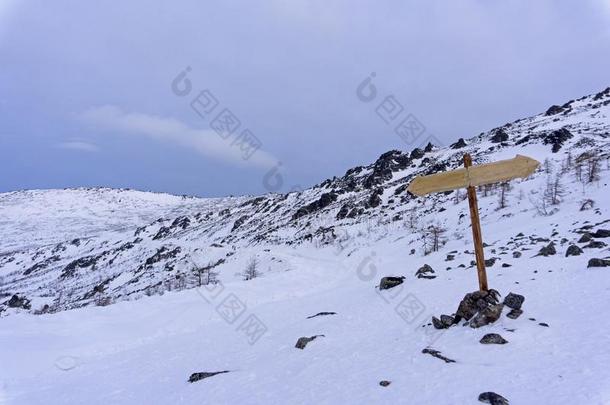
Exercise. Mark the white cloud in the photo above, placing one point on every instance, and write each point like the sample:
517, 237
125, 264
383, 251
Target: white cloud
78, 145
205, 142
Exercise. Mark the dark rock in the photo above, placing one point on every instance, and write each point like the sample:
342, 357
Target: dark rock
385, 383
459, 144
343, 211
544, 324
390, 282
586, 237
514, 313
303, 341
425, 272
450, 258
181, 222
557, 138
490, 262
324, 201
548, 250
601, 233
595, 244
19, 302
437, 323
447, 320
240, 221
599, 263
506, 265
475, 302
374, 199
438, 355
417, 154
493, 398
493, 339
322, 314
573, 250
201, 375
499, 136
554, 109
516, 255
162, 233
514, 301
486, 316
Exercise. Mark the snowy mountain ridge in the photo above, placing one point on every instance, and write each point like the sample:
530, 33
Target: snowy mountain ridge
128, 242
109, 275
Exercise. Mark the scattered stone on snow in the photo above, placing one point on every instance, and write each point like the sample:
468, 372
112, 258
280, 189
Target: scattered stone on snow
601, 233
514, 301
493, 339
322, 314
389, 282
438, 355
201, 375
595, 244
514, 313
487, 316
303, 341
573, 250
599, 263
18, 302
492, 398
586, 237
426, 272
517, 255
548, 250
385, 383
544, 324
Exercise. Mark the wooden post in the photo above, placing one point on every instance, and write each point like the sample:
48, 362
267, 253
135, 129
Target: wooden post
476, 230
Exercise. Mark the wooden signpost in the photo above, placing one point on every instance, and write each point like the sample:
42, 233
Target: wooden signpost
469, 177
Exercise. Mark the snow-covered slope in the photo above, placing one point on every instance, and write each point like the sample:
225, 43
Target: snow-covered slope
320, 250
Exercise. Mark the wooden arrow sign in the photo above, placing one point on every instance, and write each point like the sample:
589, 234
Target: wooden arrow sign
470, 177
503, 170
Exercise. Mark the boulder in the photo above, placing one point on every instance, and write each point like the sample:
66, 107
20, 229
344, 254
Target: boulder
514, 301
474, 302
493, 339
599, 263
573, 250
425, 271
499, 136
601, 233
492, 398
517, 255
595, 244
18, 302
486, 316
390, 282
586, 237
548, 250
459, 144
490, 262
447, 320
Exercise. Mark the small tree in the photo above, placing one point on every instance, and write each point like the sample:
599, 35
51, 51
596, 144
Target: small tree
502, 200
593, 169
554, 190
433, 237
251, 270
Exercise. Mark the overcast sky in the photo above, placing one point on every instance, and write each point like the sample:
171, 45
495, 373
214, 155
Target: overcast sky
90, 93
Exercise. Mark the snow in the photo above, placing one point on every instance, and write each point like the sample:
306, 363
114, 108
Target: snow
143, 349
